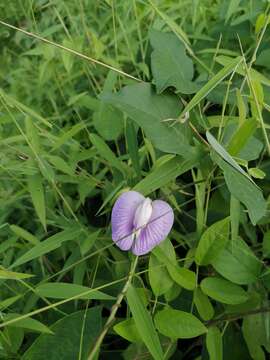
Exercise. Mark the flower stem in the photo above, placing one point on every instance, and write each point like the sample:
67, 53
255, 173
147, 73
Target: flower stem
114, 309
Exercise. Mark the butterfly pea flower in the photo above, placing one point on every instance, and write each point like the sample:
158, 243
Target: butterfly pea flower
138, 223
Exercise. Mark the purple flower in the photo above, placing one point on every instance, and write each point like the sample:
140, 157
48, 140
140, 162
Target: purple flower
138, 223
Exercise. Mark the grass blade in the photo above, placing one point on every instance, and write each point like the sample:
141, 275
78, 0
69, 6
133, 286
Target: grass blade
35, 187
144, 323
212, 83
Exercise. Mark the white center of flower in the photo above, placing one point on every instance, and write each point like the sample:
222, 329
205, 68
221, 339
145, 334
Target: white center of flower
142, 215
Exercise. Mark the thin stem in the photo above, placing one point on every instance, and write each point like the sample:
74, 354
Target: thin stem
114, 309
233, 317
83, 56
198, 134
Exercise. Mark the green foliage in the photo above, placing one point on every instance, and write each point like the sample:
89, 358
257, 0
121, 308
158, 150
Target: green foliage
237, 263
154, 114
127, 329
170, 99
178, 324
212, 242
65, 291
214, 343
223, 291
144, 323
28, 324
170, 64
203, 304
67, 340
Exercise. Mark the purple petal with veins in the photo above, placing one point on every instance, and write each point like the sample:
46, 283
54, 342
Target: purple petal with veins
140, 224
156, 230
122, 218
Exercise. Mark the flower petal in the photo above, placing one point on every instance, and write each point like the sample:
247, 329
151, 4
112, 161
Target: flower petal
157, 229
123, 214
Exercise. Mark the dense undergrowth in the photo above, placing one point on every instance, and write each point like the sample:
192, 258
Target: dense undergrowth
168, 98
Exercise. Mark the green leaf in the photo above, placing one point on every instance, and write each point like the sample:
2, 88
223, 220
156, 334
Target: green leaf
165, 253
23, 108
10, 275
60, 290
256, 173
261, 21
165, 173
68, 134
149, 111
106, 153
255, 335
48, 245
212, 242
68, 59
212, 83
241, 107
173, 293
32, 134
144, 323
107, 120
238, 263
27, 323
203, 305
174, 26
170, 64
157, 271
254, 74
232, 9
223, 291
178, 324
225, 155
35, 187
60, 164
88, 241
234, 346
67, 341
182, 276
254, 301
24, 234
214, 343
46, 170
266, 244
252, 149
235, 211
132, 144
9, 301
263, 58
243, 190
127, 329
241, 136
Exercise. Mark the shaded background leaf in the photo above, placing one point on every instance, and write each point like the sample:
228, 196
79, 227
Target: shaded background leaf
66, 340
170, 64
149, 111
